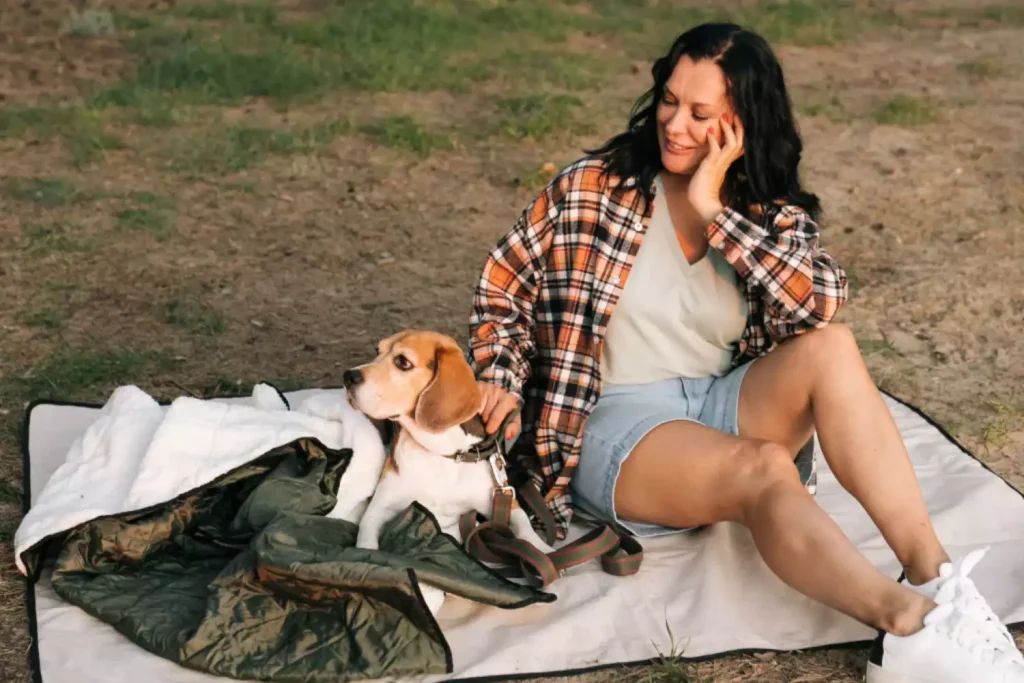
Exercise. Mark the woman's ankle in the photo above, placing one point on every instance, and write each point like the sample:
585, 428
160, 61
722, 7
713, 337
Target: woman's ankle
924, 566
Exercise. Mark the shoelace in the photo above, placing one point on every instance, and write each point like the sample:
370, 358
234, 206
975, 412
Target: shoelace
965, 615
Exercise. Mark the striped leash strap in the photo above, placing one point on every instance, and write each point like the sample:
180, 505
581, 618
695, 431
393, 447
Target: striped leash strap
494, 543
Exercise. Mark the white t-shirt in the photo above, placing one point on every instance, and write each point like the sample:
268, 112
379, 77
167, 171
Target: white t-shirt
673, 319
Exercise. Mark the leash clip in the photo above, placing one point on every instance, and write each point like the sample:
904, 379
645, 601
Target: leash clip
497, 463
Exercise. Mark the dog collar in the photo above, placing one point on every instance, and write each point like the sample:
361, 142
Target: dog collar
493, 445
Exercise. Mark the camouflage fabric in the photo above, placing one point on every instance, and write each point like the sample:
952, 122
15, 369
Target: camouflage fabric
246, 578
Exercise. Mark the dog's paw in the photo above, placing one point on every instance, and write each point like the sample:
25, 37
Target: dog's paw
367, 541
268, 398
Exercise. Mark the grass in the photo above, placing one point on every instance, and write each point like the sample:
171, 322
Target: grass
1004, 15
71, 373
997, 427
980, 68
149, 108
89, 22
81, 130
153, 221
148, 213
881, 347
904, 110
43, 318
821, 103
409, 45
234, 148
254, 12
405, 132
193, 317
46, 192
670, 668
9, 494
534, 117
42, 239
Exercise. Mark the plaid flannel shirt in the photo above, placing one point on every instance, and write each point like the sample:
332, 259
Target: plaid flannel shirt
548, 289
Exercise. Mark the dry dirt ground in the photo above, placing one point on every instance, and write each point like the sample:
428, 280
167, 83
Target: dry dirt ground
195, 226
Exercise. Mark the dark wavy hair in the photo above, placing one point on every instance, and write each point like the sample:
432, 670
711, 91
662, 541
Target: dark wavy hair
768, 170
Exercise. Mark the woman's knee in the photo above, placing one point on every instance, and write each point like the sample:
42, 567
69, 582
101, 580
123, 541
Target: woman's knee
833, 343
762, 467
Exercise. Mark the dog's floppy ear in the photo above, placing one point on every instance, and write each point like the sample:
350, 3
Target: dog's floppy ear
452, 397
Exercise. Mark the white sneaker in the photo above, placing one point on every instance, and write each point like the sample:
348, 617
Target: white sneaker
963, 641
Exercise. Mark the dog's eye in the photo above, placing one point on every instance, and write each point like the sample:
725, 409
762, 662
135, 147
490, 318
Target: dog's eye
402, 363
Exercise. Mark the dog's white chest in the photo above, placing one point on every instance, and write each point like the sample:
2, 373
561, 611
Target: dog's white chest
444, 486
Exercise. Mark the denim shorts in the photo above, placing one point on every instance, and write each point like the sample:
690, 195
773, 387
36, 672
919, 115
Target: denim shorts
624, 414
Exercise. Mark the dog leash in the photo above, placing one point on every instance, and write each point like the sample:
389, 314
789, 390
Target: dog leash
492, 541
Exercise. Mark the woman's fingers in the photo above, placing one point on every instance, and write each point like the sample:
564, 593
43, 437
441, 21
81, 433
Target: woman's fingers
488, 391
513, 429
713, 142
728, 134
497, 404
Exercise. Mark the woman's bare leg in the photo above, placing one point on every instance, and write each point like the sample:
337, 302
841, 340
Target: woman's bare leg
685, 474
820, 381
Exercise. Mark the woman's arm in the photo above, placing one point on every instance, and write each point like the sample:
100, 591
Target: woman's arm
804, 287
502, 321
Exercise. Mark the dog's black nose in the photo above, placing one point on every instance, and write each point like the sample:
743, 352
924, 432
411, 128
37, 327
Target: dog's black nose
352, 378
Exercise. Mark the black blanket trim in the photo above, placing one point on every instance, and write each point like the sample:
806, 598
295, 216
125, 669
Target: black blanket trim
30, 597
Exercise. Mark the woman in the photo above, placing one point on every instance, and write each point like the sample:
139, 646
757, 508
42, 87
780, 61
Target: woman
663, 309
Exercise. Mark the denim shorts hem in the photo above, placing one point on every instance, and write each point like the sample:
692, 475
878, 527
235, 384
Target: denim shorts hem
624, 416
634, 437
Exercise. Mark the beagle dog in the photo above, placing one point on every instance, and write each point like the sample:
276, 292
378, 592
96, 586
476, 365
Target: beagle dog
420, 380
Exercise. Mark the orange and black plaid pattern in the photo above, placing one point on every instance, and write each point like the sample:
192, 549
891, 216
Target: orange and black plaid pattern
548, 289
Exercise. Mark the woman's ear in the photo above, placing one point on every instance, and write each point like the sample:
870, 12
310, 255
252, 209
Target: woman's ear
452, 397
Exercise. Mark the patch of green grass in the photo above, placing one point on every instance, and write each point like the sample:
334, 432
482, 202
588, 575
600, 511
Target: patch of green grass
373, 45
904, 110
882, 347
822, 104
247, 188
150, 199
9, 494
88, 22
83, 131
47, 192
130, 22
648, 26
143, 106
972, 17
71, 373
255, 12
998, 426
811, 23
149, 212
547, 67
538, 116
43, 318
235, 148
153, 221
206, 68
18, 120
193, 316
980, 68
405, 132
49, 238
670, 668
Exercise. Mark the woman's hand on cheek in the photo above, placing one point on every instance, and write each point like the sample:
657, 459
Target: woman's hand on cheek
706, 185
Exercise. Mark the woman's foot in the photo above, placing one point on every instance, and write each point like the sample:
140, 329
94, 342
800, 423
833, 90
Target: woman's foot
963, 641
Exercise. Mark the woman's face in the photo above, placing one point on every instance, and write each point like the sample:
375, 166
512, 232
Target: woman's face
693, 103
